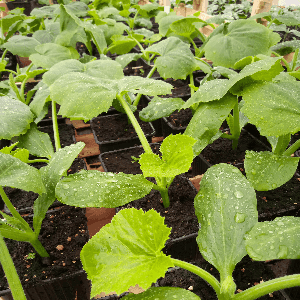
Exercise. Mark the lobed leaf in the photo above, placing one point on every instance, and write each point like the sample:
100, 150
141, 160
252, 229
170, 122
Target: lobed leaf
127, 252
237, 40
177, 157
175, 60
49, 54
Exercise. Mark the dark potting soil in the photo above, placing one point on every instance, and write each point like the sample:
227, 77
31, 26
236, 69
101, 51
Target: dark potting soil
220, 151
282, 201
63, 234
116, 127
180, 88
181, 196
66, 134
246, 274
22, 199
180, 118
122, 160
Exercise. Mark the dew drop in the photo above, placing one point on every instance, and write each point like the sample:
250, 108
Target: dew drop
238, 194
239, 218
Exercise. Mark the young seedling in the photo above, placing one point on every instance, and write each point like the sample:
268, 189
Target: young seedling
226, 208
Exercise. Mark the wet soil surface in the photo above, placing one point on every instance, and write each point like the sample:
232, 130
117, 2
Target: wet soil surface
123, 160
63, 234
116, 127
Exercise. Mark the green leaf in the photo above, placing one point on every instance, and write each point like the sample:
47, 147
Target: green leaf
97, 35
21, 45
49, 54
226, 209
60, 162
106, 69
43, 36
82, 97
160, 107
176, 59
38, 143
273, 107
68, 28
276, 239
207, 120
237, 40
21, 154
15, 117
40, 98
173, 161
127, 252
162, 293
121, 44
185, 27
268, 171
8, 21
97, 189
45, 11
145, 86
125, 59
17, 174
165, 23
215, 89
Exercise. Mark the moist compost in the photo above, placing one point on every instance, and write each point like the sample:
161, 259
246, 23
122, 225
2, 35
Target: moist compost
180, 215
66, 134
116, 127
123, 160
220, 151
63, 234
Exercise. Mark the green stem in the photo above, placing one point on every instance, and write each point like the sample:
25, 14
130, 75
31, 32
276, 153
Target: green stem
15, 88
200, 272
227, 136
4, 54
11, 71
11, 208
39, 248
295, 59
236, 125
284, 61
55, 127
38, 160
268, 287
138, 97
202, 36
292, 149
10, 272
270, 23
135, 124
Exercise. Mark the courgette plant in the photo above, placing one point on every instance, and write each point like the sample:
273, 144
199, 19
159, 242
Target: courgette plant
86, 90
128, 251
270, 102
